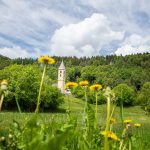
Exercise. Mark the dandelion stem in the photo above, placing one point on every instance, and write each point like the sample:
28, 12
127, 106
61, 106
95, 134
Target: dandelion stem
18, 104
130, 144
112, 112
121, 112
39, 95
85, 95
96, 107
68, 104
106, 143
1, 102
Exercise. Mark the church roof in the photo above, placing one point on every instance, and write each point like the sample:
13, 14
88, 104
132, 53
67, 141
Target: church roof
62, 66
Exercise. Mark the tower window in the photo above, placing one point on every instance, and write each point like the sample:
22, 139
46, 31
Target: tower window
60, 71
60, 75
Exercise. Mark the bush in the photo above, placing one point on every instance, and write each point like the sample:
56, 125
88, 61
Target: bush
124, 94
144, 96
24, 82
78, 92
101, 99
51, 97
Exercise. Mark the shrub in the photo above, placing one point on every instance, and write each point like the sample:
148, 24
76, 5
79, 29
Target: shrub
24, 82
124, 94
51, 97
144, 96
79, 93
101, 99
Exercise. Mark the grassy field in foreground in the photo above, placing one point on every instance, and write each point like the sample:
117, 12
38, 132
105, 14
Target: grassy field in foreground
48, 122
136, 114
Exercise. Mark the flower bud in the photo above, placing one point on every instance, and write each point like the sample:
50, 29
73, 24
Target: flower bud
10, 136
4, 84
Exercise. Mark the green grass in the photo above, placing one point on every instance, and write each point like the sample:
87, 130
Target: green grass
136, 114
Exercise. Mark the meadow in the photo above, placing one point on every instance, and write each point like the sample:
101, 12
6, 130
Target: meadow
60, 118
134, 113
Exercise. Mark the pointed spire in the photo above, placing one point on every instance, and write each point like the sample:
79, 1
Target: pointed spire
62, 66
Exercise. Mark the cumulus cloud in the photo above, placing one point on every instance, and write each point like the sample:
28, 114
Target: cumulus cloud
31, 22
84, 38
18, 52
134, 44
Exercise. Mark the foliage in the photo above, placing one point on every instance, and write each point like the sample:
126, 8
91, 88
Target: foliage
36, 134
24, 83
79, 93
4, 62
124, 94
144, 96
109, 70
51, 97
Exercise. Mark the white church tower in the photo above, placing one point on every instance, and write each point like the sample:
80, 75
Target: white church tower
61, 77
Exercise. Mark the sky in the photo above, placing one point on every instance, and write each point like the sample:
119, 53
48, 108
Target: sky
31, 28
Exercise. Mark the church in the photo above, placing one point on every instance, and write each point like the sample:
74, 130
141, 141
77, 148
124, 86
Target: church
61, 77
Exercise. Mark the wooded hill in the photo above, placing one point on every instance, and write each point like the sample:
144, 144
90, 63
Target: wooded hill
112, 70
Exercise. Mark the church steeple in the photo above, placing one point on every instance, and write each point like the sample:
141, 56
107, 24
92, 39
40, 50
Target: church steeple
62, 66
61, 77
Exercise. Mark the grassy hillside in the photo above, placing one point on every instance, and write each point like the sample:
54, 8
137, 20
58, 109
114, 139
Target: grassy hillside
77, 109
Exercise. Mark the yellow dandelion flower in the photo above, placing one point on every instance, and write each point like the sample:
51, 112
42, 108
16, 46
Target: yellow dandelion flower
46, 60
71, 85
4, 82
137, 125
83, 83
113, 120
96, 87
110, 134
127, 121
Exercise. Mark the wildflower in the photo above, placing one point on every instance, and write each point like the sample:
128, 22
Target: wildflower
2, 138
96, 87
10, 136
46, 60
113, 120
83, 83
127, 124
127, 121
71, 85
4, 82
110, 134
137, 125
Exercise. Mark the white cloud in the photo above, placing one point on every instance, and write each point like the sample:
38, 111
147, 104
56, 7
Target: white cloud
128, 15
30, 22
85, 38
134, 44
18, 52
13, 52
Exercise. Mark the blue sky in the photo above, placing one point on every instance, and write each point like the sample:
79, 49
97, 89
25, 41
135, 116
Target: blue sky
30, 28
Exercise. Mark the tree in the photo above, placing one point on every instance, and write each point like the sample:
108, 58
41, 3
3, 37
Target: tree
23, 83
144, 96
124, 94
